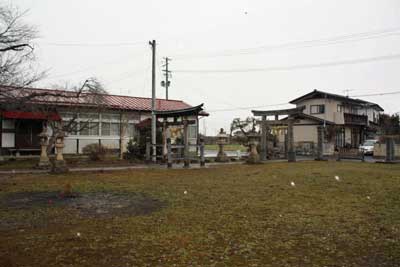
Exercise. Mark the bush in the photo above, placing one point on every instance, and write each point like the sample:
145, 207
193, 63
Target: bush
95, 152
133, 149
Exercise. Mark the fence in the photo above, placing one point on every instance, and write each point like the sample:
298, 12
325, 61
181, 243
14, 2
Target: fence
350, 153
177, 153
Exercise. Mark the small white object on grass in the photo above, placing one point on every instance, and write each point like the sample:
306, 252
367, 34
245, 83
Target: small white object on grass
368, 197
337, 178
78, 234
185, 192
292, 184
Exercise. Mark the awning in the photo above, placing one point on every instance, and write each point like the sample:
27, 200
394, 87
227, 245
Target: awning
31, 115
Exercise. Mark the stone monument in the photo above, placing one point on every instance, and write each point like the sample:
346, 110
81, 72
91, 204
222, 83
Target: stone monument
222, 140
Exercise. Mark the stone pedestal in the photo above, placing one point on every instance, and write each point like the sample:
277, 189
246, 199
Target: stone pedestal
44, 162
222, 140
254, 157
60, 165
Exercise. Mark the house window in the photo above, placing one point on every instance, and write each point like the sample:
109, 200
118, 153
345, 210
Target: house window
89, 128
317, 109
89, 124
110, 124
192, 131
131, 130
340, 108
114, 129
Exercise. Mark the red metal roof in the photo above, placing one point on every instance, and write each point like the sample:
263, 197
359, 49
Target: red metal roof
67, 98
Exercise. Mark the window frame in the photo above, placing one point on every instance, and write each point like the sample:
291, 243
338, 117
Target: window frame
319, 109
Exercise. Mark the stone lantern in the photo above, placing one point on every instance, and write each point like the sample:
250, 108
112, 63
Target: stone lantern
222, 140
44, 161
59, 163
254, 157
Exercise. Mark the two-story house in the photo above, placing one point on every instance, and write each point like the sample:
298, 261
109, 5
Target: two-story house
351, 120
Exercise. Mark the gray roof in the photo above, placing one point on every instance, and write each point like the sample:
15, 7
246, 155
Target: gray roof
320, 94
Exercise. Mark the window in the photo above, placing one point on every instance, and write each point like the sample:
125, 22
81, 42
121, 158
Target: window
8, 124
192, 131
114, 129
89, 128
340, 108
317, 109
71, 127
131, 131
110, 124
105, 128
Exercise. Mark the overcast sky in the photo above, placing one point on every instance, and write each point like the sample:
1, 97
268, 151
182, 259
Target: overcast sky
215, 35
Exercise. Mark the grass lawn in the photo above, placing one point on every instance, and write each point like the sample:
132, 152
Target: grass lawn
73, 162
236, 215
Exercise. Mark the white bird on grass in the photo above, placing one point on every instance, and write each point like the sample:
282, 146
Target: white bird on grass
292, 184
78, 234
185, 192
337, 178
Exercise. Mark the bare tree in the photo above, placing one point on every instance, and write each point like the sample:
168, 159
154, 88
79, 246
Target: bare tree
16, 49
90, 95
243, 127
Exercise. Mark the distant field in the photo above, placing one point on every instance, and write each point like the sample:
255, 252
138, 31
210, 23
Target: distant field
233, 215
234, 147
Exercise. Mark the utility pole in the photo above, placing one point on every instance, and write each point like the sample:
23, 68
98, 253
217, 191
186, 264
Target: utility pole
153, 101
167, 72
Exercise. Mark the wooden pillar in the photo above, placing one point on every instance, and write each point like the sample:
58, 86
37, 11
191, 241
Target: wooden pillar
389, 149
202, 156
169, 153
264, 135
1, 134
165, 137
320, 152
291, 152
148, 149
186, 142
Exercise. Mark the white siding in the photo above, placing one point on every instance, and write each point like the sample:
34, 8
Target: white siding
8, 140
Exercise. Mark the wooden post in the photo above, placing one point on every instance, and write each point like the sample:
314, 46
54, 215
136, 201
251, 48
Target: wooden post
320, 141
186, 143
291, 152
169, 153
202, 157
389, 149
165, 140
148, 149
264, 135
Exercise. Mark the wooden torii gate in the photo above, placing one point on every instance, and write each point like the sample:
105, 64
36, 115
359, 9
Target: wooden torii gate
265, 124
179, 117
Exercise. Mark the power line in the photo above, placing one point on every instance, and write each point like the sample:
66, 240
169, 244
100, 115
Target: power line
246, 108
295, 67
302, 44
94, 66
91, 44
378, 94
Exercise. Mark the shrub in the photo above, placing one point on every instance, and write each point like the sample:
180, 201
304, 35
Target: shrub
95, 151
133, 149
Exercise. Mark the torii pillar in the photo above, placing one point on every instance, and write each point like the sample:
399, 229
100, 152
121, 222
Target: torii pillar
291, 154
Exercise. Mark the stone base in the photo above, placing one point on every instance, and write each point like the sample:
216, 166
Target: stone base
43, 165
59, 166
254, 159
291, 157
222, 158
